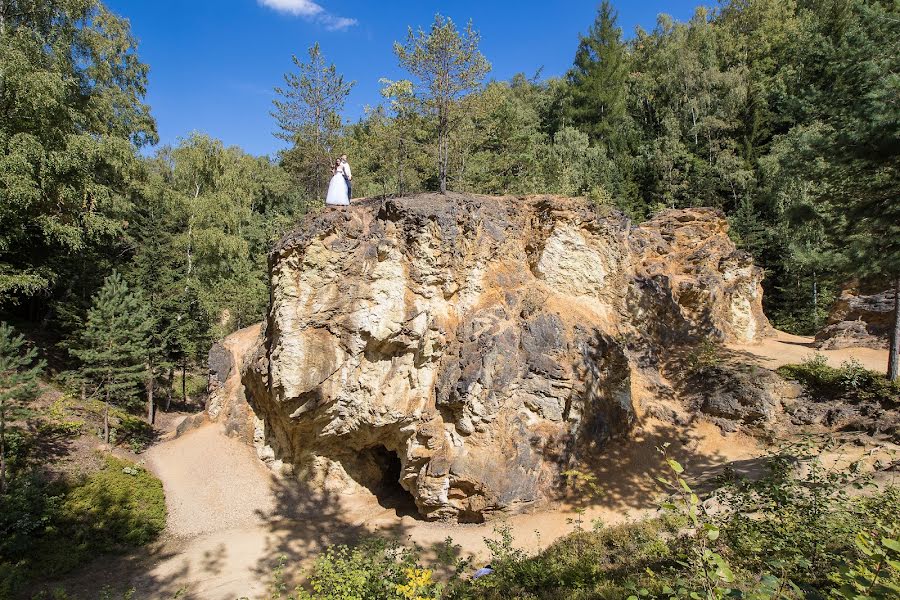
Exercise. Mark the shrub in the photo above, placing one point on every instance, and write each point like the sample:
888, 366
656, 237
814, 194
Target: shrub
373, 570
797, 533
851, 381
48, 528
120, 505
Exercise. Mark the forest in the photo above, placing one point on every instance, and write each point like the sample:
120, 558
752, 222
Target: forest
782, 114
122, 261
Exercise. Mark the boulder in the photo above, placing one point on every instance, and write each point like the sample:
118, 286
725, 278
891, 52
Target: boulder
465, 350
858, 320
226, 399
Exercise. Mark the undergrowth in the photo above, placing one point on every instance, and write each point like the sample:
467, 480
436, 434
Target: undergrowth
49, 527
850, 381
802, 531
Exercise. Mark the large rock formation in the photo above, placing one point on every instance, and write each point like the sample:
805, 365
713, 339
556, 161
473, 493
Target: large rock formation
474, 347
858, 320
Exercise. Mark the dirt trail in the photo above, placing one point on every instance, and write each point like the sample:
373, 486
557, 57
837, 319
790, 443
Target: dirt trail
230, 519
785, 348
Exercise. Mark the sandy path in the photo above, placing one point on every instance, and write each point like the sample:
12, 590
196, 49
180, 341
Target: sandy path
785, 348
230, 519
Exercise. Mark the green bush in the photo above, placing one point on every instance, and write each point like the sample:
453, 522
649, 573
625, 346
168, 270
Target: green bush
48, 528
119, 505
851, 381
373, 570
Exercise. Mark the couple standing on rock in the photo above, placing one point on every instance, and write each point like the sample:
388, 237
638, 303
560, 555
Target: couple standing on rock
340, 189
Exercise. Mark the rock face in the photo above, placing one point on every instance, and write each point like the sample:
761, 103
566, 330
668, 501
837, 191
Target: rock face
226, 401
858, 320
468, 349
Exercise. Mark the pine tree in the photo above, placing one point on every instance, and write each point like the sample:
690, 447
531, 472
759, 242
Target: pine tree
19, 373
598, 79
847, 155
446, 66
114, 345
309, 117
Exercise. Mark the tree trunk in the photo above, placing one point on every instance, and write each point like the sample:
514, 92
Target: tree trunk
894, 354
443, 134
150, 407
184, 382
400, 170
2, 450
106, 419
815, 299
170, 381
442, 173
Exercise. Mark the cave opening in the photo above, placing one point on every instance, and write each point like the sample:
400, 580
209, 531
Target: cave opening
388, 491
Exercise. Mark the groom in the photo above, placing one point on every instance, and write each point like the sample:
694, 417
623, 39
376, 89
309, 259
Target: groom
348, 176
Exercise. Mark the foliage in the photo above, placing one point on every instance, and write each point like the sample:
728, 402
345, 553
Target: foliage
374, 569
445, 66
598, 79
19, 373
850, 381
114, 346
49, 527
71, 120
795, 533
309, 117
874, 576
121, 504
705, 357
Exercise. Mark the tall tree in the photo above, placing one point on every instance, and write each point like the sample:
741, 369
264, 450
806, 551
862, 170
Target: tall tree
598, 79
71, 118
446, 66
19, 373
848, 151
308, 114
114, 346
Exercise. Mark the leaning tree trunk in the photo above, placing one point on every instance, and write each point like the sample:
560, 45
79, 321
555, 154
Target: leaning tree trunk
894, 354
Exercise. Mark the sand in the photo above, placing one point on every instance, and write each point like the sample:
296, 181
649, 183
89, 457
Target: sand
230, 518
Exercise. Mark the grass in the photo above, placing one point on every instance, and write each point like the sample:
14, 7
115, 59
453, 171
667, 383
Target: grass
49, 528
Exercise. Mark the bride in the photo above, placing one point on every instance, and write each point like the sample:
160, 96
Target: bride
337, 189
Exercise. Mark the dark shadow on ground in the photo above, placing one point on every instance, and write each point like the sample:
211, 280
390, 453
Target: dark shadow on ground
306, 521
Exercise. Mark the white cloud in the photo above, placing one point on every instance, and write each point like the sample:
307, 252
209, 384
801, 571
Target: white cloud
308, 9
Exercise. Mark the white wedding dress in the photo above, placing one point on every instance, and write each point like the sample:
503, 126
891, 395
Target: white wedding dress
337, 191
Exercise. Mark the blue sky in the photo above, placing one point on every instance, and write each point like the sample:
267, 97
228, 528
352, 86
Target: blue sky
213, 63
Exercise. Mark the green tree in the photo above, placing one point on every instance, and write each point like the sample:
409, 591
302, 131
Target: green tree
501, 142
446, 66
308, 114
598, 79
19, 372
847, 151
71, 118
113, 347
